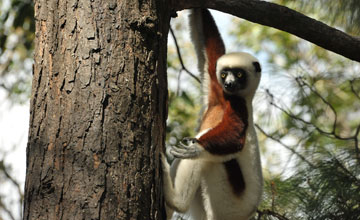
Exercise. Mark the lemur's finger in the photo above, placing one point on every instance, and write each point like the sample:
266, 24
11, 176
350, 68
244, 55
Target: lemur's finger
186, 146
184, 155
189, 140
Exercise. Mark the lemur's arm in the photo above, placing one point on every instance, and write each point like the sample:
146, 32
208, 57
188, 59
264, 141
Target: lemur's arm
180, 188
217, 143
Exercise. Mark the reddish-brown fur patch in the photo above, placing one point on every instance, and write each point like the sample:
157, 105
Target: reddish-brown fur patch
212, 117
229, 135
226, 116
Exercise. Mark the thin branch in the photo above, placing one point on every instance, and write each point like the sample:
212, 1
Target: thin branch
13, 181
302, 83
284, 145
180, 57
8, 176
350, 174
356, 139
273, 15
321, 131
271, 213
353, 88
2, 85
4, 67
6, 210
178, 83
273, 193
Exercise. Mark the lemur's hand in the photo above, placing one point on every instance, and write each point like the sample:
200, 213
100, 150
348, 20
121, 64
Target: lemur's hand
188, 148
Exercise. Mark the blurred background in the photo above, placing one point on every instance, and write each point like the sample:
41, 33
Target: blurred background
16, 50
307, 109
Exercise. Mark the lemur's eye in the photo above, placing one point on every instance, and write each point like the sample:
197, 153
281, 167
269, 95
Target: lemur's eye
223, 75
239, 75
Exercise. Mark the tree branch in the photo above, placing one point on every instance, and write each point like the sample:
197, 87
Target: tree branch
271, 213
6, 210
331, 134
180, 57
17, 185
309, 123
290, 148
285, 19
302, 83
353, 88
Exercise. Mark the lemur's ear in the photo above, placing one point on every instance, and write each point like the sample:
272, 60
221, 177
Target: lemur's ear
257, 67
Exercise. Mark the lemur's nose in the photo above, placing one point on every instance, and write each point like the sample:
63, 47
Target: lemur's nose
229, 85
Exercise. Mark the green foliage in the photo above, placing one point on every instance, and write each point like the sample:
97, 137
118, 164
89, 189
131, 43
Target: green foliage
317, 105
184, 104
183, 117
327, 189
345, 14
17, 27
326, 184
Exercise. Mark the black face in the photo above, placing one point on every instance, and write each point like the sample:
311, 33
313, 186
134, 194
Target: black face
233, 79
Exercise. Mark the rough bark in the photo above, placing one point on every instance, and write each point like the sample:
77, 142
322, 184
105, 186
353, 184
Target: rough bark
98, 104
98, 110
285, 19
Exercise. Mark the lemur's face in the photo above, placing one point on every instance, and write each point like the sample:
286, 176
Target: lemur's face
238, 74
233, 79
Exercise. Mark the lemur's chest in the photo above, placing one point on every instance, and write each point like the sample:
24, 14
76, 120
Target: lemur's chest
212, 117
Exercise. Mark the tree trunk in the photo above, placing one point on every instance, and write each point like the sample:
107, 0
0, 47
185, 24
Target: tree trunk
98, 110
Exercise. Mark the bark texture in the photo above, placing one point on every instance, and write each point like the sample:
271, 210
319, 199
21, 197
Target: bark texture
98, 110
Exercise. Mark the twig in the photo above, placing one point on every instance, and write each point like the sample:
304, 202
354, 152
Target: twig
273, 194
326, 133
356, 140
6, 210
353, 88
271, 213
341, 165
17, 185
180, 57
302, 82
284, 145
331, 134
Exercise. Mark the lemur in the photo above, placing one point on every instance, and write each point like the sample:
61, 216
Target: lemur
217, 175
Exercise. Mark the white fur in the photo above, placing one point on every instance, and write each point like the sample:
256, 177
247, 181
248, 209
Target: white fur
245, 61
199, 187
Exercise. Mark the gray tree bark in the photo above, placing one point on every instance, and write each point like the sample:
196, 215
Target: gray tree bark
98, 110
